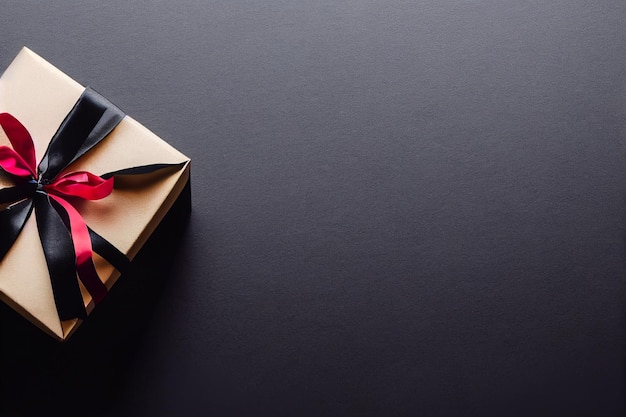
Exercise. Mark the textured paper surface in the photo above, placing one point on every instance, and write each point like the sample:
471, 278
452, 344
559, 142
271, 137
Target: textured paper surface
40, 96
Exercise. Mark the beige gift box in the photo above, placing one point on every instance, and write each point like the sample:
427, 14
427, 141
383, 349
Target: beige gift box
40, 96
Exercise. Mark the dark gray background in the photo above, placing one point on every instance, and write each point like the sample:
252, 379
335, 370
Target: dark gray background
399, 208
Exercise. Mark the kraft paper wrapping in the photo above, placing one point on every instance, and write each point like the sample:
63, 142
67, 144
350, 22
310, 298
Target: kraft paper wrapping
40, 96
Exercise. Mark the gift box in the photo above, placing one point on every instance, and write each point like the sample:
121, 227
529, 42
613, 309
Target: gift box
82, 187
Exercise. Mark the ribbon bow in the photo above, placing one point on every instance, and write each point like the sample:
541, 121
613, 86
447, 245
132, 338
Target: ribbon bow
68, 243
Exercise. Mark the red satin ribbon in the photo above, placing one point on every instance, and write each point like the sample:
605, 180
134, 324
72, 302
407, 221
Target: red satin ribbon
20, 162
81, 184
83, 251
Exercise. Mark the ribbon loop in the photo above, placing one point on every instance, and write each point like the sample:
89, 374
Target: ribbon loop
20, 140
81, 184
14, 164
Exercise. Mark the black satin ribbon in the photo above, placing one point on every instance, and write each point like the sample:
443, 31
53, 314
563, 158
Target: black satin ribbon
59, 252
89, 122
18, 192
12, 220
91, 119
